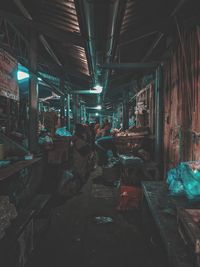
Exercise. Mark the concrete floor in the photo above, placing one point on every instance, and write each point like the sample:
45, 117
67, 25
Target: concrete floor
76, 240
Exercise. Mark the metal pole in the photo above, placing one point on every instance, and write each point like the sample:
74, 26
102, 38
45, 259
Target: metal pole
134, 65
75, 109
84, 113
125, 117
62, 103
158, 116
101, 119
78, 108
33, 94
68, 113
80, 105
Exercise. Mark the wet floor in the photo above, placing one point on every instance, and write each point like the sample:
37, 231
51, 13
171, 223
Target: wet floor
78, 237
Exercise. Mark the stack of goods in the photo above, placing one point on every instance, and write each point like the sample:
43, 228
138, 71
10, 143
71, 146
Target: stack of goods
7, 213
131, 140
134, 131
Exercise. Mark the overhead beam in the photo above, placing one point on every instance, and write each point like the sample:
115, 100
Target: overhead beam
137, 38
137, 65
49, 50
156, 41
178, 6
47, 30
22, 9
84, 92
43, 40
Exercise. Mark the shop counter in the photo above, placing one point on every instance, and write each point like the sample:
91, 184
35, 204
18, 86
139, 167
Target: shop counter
161, 207
16, 167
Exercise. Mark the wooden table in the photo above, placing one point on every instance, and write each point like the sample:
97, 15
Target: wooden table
162, 207
16, 167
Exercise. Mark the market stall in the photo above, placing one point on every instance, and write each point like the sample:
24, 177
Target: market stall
21, 172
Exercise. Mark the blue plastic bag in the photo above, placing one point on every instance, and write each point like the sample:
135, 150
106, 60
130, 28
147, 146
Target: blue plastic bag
175, 183
191, 181
182, 180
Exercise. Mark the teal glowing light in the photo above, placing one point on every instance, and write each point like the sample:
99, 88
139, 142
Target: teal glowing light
21, 75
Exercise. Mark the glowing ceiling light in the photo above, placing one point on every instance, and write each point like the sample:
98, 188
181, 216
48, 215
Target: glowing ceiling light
99, 107
97, 114
98, 88
21, 75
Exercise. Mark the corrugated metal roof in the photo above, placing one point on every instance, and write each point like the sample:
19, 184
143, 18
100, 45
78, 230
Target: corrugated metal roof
141, 23
61, 14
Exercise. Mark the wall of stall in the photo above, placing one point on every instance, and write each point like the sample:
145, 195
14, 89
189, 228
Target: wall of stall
182, 100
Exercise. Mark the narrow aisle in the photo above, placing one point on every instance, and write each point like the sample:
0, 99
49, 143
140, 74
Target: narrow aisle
76, 238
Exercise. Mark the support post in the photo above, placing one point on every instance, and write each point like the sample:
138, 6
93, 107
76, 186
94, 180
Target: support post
125, 111
62, 104
85, 114
68, 113
101, 121
75, 109
80, 112
33, 94
158, 116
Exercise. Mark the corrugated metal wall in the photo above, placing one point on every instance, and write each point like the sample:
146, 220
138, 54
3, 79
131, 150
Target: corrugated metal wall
182, 101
